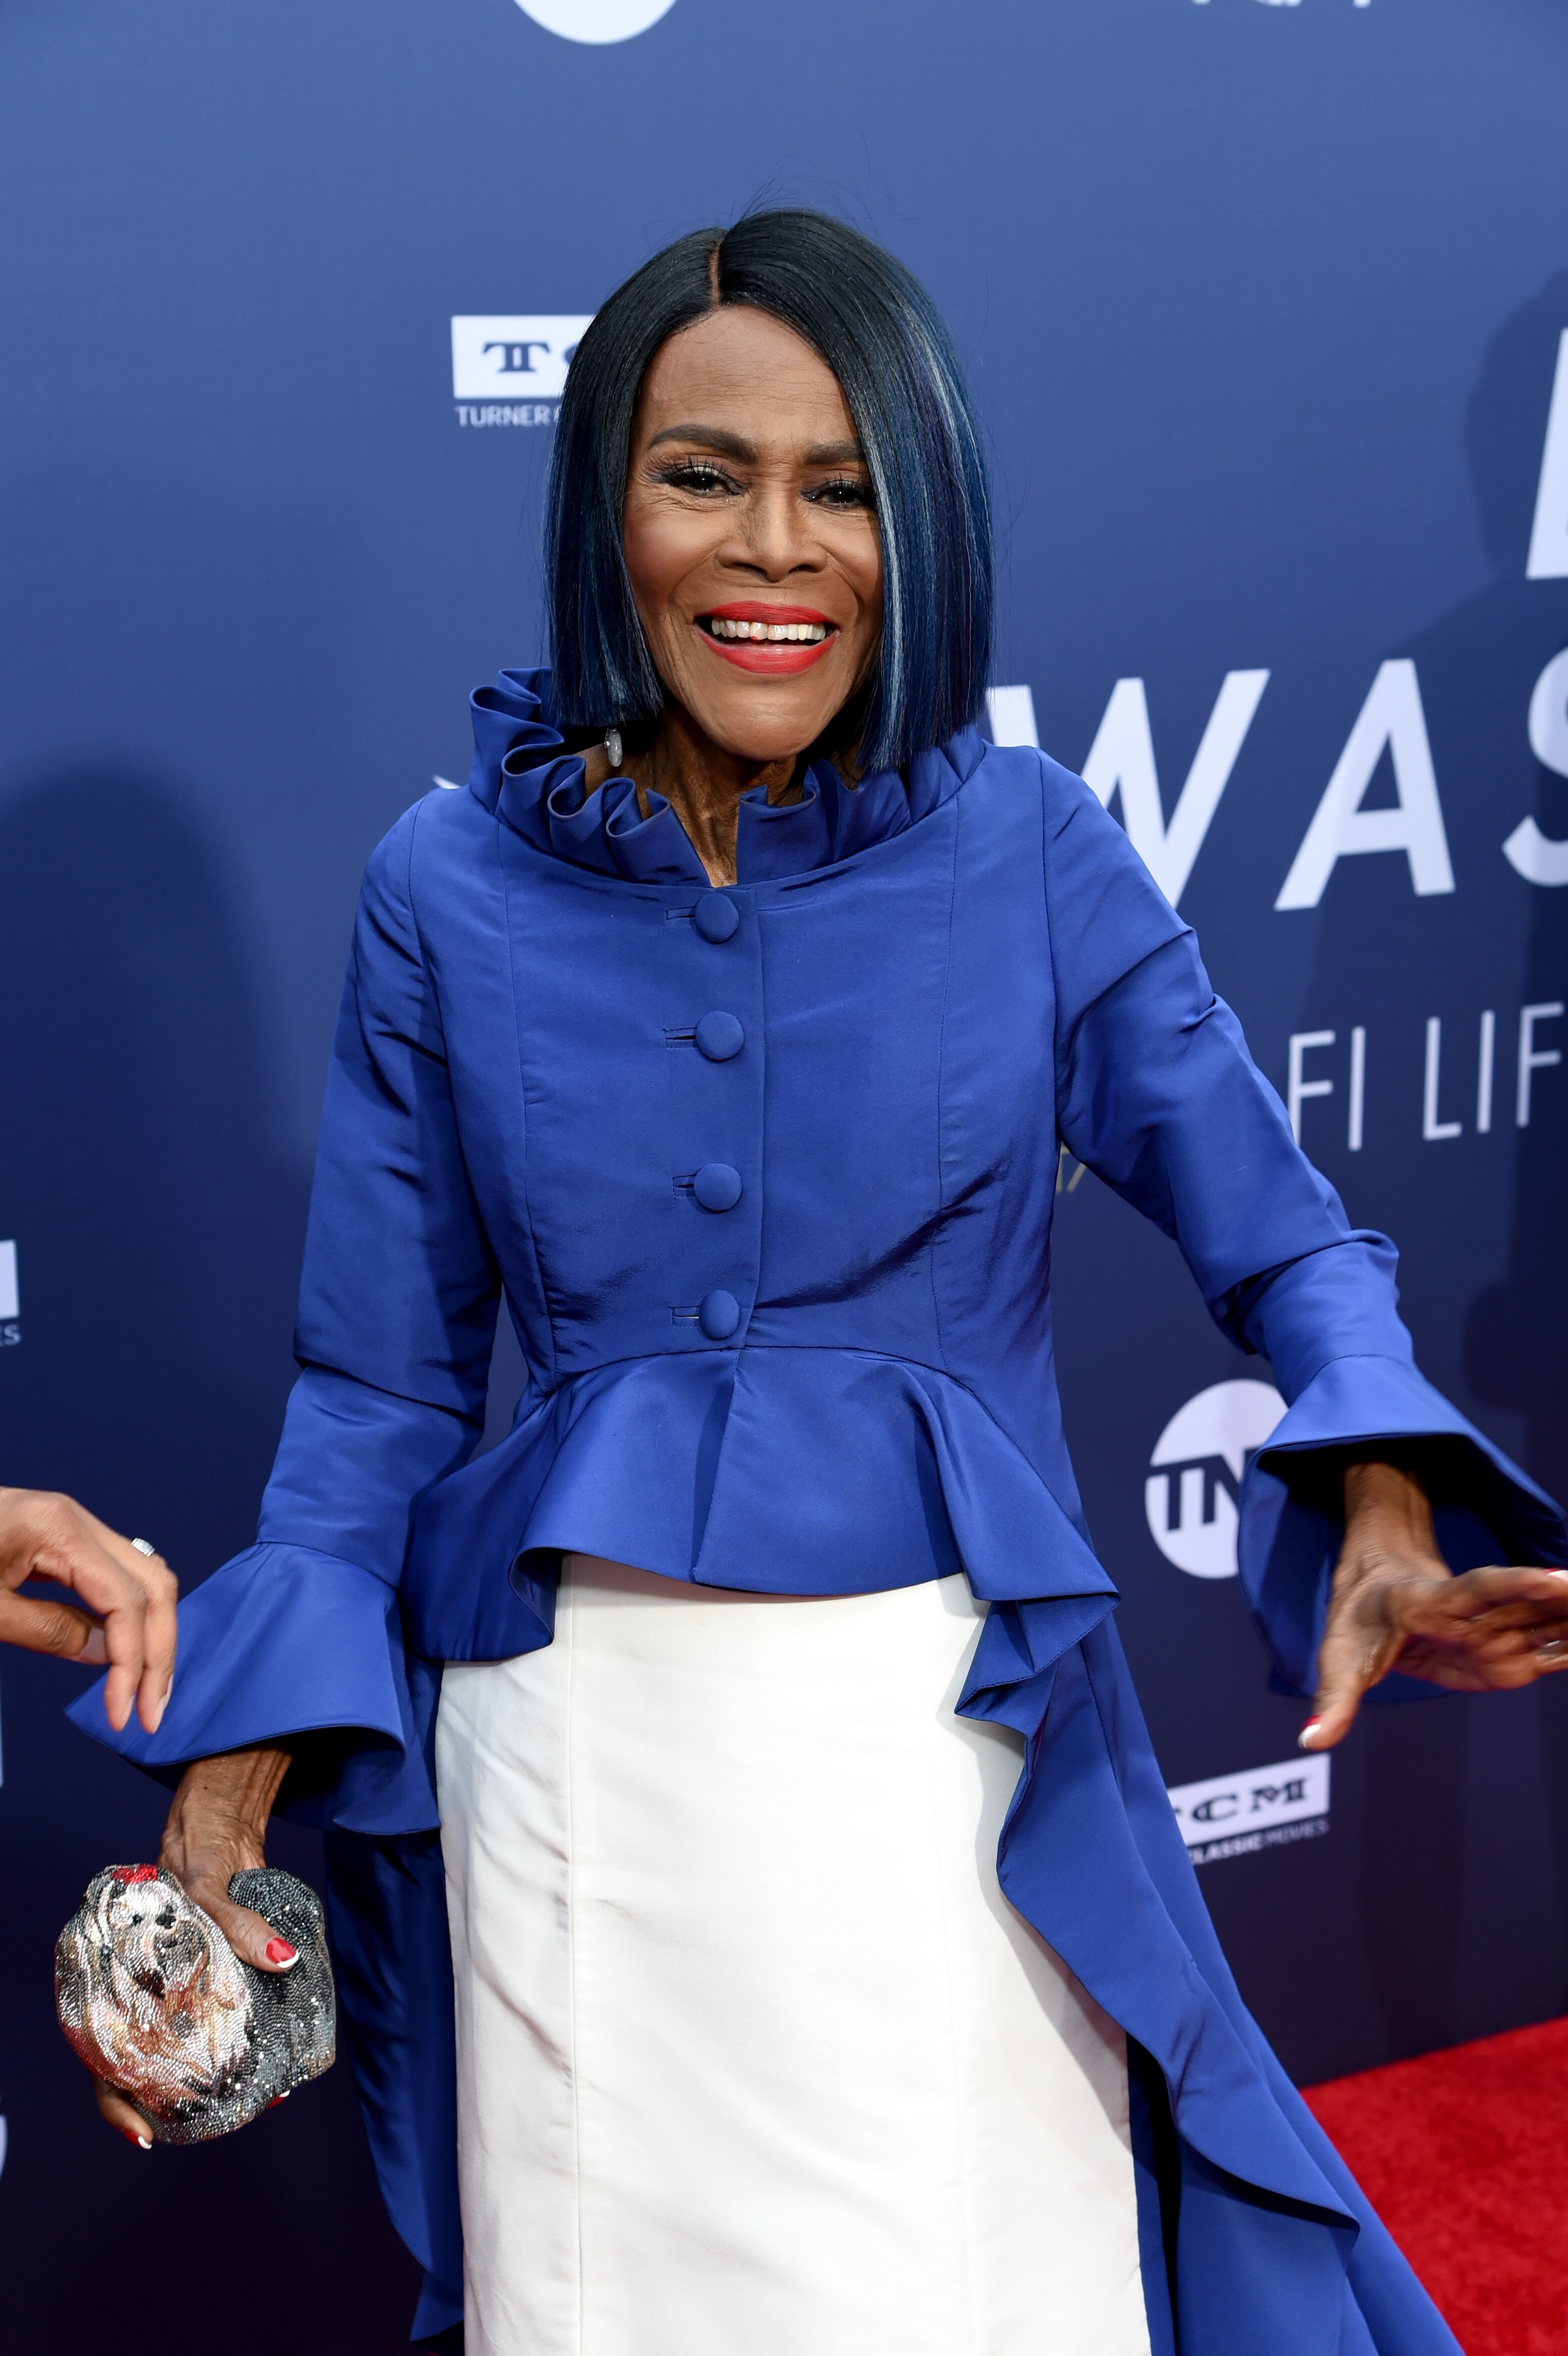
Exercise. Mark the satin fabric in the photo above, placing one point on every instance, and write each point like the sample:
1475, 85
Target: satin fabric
844, 1382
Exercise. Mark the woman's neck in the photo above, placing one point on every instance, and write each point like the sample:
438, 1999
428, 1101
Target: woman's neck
702, 783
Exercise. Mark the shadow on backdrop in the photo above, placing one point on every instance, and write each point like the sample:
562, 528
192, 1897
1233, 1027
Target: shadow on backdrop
1460, 1808
1516, 1334
158, 1239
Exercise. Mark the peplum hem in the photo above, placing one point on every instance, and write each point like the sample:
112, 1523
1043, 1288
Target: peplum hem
1090, 1856
1485, 1509
896, 1474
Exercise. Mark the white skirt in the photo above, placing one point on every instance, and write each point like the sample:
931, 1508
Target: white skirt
754, 2058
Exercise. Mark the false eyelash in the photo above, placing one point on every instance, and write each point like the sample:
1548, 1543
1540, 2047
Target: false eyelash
862, 495
697, 474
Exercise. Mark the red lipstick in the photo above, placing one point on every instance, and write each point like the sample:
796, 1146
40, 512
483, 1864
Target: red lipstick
769, 658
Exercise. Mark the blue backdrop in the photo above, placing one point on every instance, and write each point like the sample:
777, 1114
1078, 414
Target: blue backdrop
1264, 302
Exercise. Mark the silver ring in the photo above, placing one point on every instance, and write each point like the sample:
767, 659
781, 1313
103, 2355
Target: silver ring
142, 1546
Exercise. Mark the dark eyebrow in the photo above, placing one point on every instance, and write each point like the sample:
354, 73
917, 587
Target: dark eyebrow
735, 446
709, 437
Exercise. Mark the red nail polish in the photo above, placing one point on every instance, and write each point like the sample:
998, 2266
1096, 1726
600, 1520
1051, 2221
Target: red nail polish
279, 1951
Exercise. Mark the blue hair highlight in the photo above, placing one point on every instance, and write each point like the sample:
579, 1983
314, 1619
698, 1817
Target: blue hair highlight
877, 328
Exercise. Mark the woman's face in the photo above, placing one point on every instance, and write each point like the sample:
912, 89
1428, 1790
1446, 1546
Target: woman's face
750, 535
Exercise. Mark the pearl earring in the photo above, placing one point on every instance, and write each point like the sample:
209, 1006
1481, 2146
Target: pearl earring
613, 746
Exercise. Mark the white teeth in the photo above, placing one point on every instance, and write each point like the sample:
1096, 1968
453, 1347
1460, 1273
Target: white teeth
771, 633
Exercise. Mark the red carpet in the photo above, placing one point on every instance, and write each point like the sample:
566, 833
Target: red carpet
1465, 2156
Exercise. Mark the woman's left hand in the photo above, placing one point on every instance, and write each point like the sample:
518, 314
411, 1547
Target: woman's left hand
1397, 1605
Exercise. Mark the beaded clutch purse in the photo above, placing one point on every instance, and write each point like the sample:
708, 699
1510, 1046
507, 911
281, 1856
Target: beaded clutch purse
153, 1998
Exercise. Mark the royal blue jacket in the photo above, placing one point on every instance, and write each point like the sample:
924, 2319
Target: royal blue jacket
766, 1175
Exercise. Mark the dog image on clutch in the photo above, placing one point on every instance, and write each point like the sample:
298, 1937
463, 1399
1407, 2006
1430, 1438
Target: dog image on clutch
153, 1997
152, 1983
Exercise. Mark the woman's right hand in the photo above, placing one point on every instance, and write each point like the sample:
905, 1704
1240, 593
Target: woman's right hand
46, 1536
217, 1827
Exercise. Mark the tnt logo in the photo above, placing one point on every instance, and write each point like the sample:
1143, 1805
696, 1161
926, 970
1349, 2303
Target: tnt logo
1195, 1475
511, 359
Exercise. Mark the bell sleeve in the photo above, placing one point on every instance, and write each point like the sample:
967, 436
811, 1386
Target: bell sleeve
1158, 1094
301, 1634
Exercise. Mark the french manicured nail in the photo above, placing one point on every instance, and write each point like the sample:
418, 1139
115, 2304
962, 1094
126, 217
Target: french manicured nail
143, 2143
1304, 1739
279, 1952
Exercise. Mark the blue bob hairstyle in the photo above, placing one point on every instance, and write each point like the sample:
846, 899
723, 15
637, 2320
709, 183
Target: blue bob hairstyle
878, 331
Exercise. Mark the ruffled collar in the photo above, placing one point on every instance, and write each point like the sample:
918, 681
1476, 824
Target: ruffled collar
522, 769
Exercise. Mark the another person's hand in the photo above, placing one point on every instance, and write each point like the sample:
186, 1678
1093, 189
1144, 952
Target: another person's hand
46, 1536
217, 1827
1396, 1604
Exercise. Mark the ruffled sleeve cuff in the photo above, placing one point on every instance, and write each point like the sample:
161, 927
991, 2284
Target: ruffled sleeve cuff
284, 1643
1292, 1518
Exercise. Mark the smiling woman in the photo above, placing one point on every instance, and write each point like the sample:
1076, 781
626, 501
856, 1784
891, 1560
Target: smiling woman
767, 517
841, 395
771, 494
778, 499
807, 1938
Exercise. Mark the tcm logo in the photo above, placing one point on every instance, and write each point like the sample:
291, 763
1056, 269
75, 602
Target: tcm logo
595, 20
1195, 1475
1264, 1807
10, 1298
513, 364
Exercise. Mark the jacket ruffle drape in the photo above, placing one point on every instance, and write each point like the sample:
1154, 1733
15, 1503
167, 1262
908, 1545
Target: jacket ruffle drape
766, 1176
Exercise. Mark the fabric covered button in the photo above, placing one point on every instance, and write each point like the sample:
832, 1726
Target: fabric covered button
719, 1315
716, 917
717, 1187
720, 1036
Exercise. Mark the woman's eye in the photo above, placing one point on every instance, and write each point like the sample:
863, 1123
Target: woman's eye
843, 491
697, 475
